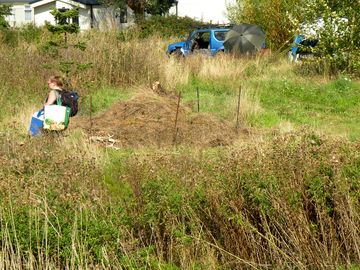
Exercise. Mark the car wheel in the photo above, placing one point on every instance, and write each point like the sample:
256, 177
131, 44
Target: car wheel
177, 53
220, 53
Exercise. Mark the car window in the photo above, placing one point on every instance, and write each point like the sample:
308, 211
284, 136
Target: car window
193, 35
220, 35
205, 36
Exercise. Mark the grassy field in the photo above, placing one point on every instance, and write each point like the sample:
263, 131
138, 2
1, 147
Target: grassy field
284, 195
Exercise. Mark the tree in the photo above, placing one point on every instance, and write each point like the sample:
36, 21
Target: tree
66, 24
5, 10
159, 7
153, 7
271, 15
138, 6
339, 38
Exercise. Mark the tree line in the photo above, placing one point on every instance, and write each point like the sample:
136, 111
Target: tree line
339, 43
140, 7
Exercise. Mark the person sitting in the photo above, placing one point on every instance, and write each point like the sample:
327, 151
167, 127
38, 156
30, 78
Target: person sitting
55, 85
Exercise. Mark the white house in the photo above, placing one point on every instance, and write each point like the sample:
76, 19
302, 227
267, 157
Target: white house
21, 12
211, 11
91, 13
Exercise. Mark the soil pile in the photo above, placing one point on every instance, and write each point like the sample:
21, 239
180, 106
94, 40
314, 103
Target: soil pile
148, 119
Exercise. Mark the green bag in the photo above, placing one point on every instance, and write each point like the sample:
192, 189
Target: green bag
56, 117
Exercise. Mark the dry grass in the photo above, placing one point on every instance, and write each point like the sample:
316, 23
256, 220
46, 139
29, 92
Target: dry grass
174, 73
289, 201
267, 200
148, 119
226, 66
115, 63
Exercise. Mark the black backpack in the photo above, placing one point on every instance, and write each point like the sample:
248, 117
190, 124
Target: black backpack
70, 99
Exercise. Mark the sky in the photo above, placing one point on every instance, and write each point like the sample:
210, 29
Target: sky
205, 10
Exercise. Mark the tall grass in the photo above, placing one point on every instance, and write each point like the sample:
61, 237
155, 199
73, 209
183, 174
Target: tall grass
268, 85
290, 202
273, 200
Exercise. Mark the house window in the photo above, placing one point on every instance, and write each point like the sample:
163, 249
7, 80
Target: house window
123, 15
75, 20
28, 13
63, 21
11, 17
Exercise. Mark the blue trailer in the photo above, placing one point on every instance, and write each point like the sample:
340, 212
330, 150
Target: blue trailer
302, 47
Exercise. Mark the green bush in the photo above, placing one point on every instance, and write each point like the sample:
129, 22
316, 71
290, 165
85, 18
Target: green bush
339, 42
31, 33
166, 27
5, 10
102, 99
271, 15
10, 37
41, 231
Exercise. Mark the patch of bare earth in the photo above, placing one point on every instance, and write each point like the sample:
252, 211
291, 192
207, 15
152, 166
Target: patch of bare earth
149, 119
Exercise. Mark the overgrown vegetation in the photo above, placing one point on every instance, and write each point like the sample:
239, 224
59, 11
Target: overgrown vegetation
284, 195
166, 27
5, 10
338, 37
272, 16
289, 206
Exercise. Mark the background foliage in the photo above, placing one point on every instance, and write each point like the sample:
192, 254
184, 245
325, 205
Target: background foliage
281, 19
140, 7
170, 26
272, 16
339, 39
284, 195
5, 10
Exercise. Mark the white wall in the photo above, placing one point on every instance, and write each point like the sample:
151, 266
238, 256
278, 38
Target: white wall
104, 18
17, 18
84, 18
204, 10
108, 18
42, 14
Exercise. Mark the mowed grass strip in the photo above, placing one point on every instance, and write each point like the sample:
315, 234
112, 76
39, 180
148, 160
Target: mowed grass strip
332, 106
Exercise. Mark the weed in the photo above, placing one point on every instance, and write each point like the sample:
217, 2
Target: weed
102, 99
272, 200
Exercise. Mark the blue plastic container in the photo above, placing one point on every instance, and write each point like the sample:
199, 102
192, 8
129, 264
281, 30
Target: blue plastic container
37, 123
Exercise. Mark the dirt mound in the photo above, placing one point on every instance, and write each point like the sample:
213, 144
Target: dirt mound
149, 119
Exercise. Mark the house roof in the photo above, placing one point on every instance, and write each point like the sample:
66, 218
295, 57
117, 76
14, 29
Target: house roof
14, 1
89, 2
84, 2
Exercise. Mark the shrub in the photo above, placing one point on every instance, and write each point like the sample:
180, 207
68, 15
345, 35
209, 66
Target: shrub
4, 11
9, 37
31, 33
269, 14
339, 42
171, 26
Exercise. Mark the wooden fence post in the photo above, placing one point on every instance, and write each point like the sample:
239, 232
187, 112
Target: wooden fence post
198, 98
238, 111
91, 123
176, 119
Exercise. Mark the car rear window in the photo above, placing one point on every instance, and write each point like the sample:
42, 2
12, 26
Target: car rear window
220, 35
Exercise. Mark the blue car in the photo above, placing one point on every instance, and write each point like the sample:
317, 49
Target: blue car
206, 40
301, 48
306, 40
